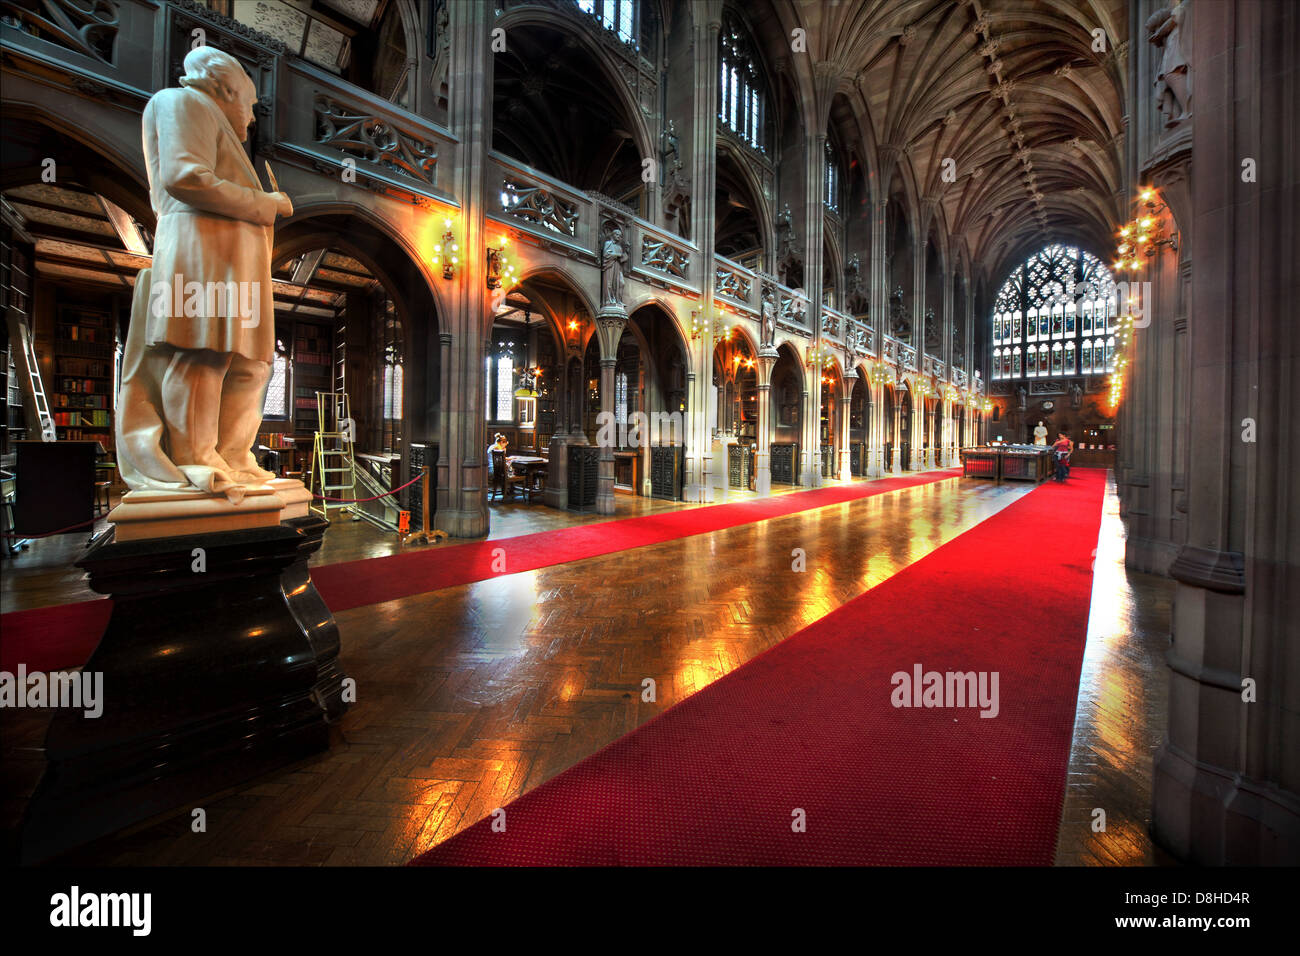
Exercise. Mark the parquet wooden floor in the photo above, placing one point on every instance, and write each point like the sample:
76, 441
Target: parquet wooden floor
469, 696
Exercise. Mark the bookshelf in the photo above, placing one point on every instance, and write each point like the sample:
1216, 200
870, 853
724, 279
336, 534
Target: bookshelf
81, 392
313, 354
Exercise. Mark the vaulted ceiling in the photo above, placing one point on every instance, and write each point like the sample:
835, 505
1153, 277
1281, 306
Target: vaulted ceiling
1019, 102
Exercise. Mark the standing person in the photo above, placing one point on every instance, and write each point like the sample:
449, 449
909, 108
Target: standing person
1062, 449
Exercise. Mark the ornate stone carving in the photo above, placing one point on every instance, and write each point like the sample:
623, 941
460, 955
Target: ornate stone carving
732, 284
375, 140
87, 28
201, 12
663, 257
538, 205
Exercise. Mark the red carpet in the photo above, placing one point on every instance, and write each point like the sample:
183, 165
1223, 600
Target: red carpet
62, 636
809, 725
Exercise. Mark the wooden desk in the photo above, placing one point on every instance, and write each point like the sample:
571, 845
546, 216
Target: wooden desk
533, 468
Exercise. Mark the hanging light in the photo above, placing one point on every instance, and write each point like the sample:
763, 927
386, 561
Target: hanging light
527, 389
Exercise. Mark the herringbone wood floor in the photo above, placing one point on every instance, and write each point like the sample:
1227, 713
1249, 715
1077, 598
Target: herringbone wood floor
469, 696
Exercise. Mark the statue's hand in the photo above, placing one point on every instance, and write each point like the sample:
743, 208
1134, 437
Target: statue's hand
284, 206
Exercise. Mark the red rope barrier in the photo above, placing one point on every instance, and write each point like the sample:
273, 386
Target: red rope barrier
386, 494
33, 537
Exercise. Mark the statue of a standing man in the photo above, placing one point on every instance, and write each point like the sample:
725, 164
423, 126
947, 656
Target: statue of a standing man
1173, 85
202, 336
613, 257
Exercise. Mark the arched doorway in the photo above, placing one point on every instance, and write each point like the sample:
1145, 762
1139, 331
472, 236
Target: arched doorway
860, 425
787, 397
735, 380
905, 429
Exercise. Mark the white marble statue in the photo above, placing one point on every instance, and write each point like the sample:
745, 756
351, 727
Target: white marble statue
199, 350
1040, 434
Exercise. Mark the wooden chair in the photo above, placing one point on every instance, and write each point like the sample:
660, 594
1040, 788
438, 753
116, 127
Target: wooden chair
503, 483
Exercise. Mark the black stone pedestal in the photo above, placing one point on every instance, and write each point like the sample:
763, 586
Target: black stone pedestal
210, 677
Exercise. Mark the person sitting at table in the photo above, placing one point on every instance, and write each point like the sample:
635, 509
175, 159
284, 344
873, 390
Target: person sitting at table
498, 444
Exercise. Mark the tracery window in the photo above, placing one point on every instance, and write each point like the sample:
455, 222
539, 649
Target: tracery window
1068, 302
741, 101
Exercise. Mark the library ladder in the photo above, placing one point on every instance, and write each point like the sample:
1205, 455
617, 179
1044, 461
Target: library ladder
333, 470
30, 380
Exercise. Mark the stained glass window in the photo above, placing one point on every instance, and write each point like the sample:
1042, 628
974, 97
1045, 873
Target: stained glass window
1063, 294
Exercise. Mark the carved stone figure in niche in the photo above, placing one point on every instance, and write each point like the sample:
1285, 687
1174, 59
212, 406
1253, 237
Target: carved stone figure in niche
931, 331
769, 316
672, 159
676, 186
855, 291
194, 380
900, 327
613, 257
1022, 397
1173, 82
789, 264
1076, 396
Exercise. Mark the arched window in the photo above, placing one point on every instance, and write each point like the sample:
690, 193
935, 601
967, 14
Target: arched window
832, 198
391, 385
741, 100
1067, 299
277, 390
616, 16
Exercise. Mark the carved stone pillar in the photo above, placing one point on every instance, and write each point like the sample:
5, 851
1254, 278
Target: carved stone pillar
1226, 786
767, 356
845, 470
610, 323
876, 463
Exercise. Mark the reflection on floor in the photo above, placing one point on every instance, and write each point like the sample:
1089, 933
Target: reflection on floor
469, 696
45, 574
1122, 710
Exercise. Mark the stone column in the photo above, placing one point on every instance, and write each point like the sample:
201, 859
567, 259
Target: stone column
896, 439
767, 356
1227, 779
470, 316
707, 24
917, 441
876, 463
846, 399
611, 320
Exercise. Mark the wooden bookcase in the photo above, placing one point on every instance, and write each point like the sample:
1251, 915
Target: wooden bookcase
313, 367
81, 392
